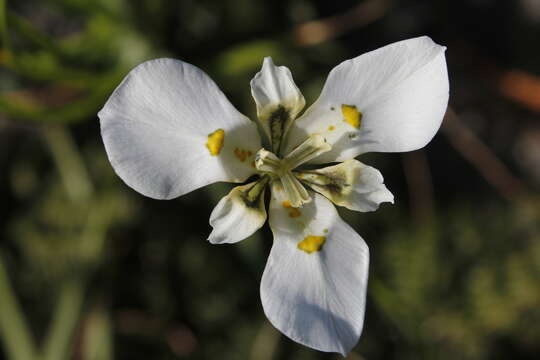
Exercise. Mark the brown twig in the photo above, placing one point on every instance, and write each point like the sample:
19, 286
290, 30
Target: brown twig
179, 337
419, 184
482, 158
318, 31
521, 87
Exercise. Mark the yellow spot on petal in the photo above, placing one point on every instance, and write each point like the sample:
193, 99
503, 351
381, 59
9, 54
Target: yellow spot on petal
242, 154
215, 142
331, 128
312, 243
351, 115
293, 212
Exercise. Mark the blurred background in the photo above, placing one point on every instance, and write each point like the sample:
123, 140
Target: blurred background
90, 269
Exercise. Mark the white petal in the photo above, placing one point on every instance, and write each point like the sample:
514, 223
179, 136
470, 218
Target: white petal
158, 122
239, 214
401, 91
351, 184
278, 100
317, 299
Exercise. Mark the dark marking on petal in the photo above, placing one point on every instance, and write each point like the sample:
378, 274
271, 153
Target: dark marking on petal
332, 182
252, 196
276, 122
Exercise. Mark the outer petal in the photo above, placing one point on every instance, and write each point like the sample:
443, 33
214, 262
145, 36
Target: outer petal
400, 92
278, 100
351, 184
238, 215
317, 298
157, 124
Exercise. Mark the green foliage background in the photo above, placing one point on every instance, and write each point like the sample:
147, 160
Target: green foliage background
89, 269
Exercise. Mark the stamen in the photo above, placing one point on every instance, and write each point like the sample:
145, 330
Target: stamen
276, 168
296, 192
267, 161
314, 146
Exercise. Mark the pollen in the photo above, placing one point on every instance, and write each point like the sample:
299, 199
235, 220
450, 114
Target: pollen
215, 142
242, 154
351, 115
312, 243
331, 128
293, 212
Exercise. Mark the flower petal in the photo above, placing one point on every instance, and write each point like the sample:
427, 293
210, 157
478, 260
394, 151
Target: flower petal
392, 99
168, 130
314, 285
278, 100
351, 184
239, 214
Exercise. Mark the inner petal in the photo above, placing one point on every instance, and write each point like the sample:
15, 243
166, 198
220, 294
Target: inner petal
278, 101
351, 184
239, 214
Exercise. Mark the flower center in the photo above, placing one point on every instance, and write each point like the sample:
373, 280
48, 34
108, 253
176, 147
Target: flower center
281, 169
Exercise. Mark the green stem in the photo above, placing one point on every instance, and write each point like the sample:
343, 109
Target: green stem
69, 162
14, 331
4, 37
388, 303
266, 343
97, 340
26, 29
59, 340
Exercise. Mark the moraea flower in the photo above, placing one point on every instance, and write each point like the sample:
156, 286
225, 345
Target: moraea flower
169, 130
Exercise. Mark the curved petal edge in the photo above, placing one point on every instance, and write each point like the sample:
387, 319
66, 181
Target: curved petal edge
313, 288
392, 99
168, 130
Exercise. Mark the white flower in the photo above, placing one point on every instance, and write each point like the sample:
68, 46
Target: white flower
168, 130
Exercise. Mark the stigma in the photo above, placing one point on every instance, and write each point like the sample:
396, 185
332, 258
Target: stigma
281, 169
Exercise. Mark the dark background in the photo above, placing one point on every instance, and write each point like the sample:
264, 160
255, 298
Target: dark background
90, 269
